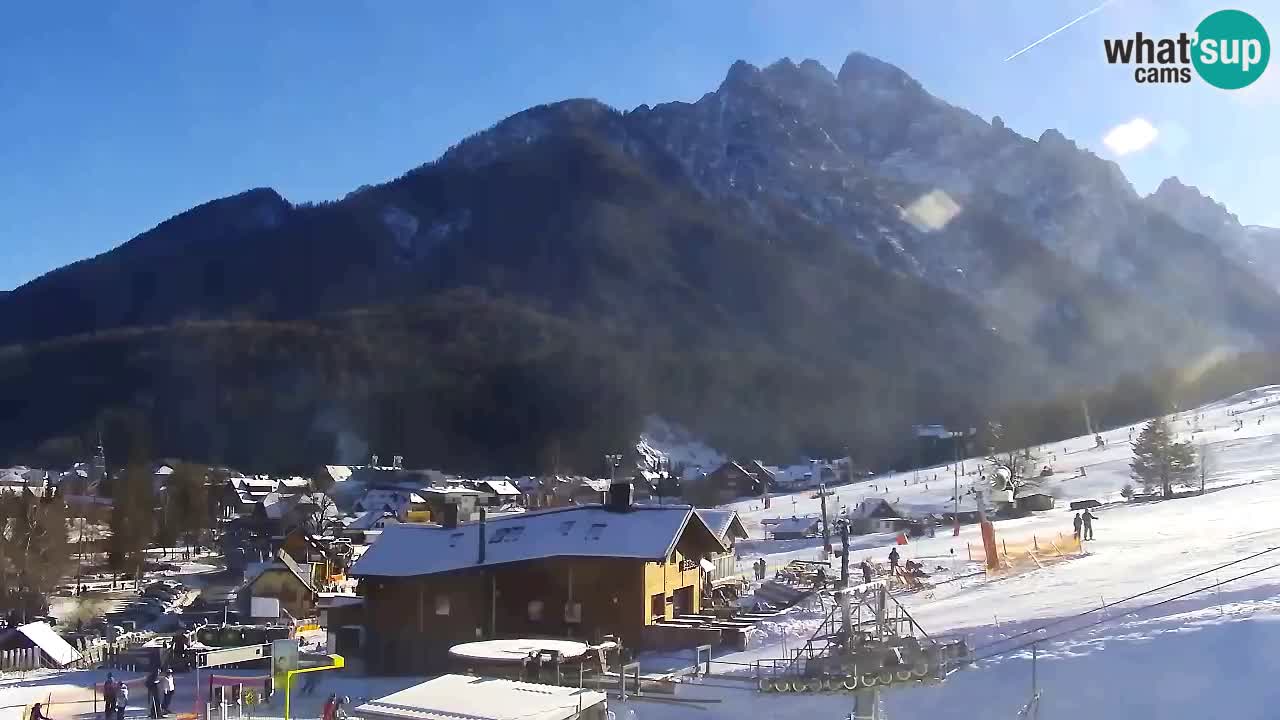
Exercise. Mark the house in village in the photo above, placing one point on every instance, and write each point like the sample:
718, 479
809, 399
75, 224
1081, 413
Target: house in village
729, 482
580, 571
794, 528
369, 524
241, 495
497, 491
451, 505
876, 515
285, 582
728, 529
1035, 502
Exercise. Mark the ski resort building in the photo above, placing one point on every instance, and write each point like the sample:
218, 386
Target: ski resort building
582, 572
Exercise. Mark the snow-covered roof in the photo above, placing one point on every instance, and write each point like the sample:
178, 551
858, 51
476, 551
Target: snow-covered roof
369, 520
646, 532
596, 485
49, 642
499, 487
792, 526
455, 697
338, 473
721, 522
452, 490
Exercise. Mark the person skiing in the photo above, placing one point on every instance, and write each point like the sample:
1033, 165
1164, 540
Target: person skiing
169, 687
893, 561
1087, 521
1076, 522
866, 571
109, 693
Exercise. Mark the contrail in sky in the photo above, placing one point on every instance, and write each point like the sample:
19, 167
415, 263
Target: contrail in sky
1064, 27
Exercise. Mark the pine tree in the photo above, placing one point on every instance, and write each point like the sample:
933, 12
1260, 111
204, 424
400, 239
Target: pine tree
1159, 462
133, 520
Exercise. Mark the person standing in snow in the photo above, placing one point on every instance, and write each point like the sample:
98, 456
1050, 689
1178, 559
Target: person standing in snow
893, 561
1076, 522
1087, 521
866, 571
109, 695
153, 693
122, 701
168, 686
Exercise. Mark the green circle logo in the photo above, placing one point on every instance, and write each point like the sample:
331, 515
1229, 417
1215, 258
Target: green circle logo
1232, 49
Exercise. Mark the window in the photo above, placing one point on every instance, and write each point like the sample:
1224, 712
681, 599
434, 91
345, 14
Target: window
442, 604
593, 532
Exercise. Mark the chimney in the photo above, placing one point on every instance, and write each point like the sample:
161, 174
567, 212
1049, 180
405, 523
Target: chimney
450, 519
619, 497
480, 558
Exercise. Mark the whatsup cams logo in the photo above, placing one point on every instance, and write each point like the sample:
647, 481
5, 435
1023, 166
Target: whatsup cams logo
1229, 50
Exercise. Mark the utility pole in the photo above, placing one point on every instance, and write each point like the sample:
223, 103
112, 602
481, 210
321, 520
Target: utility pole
826, 529
956, 515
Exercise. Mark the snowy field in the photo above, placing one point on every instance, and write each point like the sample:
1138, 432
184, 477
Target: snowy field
1210, 654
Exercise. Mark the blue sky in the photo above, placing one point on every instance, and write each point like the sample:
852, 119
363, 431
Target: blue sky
115, 116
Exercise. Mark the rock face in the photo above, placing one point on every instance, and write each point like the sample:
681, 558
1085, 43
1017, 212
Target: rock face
1254, 246
797, 256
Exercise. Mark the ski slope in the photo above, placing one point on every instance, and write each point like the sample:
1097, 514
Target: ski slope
1195, 657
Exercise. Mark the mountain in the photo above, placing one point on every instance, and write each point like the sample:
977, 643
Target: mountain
799, 261
1255, 247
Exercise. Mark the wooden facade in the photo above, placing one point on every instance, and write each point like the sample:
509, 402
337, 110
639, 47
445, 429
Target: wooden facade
411, 622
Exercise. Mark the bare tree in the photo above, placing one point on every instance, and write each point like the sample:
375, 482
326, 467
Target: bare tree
1207, 461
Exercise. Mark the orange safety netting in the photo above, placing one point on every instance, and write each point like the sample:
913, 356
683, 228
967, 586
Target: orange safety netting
1026, 553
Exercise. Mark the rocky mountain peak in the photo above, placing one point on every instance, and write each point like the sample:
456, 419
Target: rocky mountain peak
1193, 209
865, 73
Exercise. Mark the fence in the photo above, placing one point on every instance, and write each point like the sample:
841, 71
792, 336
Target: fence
1030, 553
20, 660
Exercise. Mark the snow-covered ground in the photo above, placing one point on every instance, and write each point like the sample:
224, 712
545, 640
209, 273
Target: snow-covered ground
1207, 655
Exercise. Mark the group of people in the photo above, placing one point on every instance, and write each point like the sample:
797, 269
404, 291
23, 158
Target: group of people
335, 708
761, 568
160, 690
1083, 524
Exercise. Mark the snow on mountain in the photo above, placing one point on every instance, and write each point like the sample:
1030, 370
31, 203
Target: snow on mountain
1254, 246
664, 444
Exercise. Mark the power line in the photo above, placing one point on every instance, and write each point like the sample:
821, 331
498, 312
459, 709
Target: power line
1096, 623
1125, 600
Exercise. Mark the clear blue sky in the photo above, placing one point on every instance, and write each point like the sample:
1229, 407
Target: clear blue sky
117, 115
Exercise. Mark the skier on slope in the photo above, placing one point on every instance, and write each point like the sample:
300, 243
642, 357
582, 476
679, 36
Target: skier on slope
1087, 521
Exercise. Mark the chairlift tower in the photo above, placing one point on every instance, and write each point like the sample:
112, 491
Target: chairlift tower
868, 641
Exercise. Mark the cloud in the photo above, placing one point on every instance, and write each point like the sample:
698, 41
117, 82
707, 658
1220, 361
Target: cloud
1130, 137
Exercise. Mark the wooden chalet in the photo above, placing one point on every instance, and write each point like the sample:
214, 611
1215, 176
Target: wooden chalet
581, 571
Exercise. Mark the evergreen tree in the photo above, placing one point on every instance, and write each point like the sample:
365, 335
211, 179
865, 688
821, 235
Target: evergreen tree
1160, 462
190, 511
133, 520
